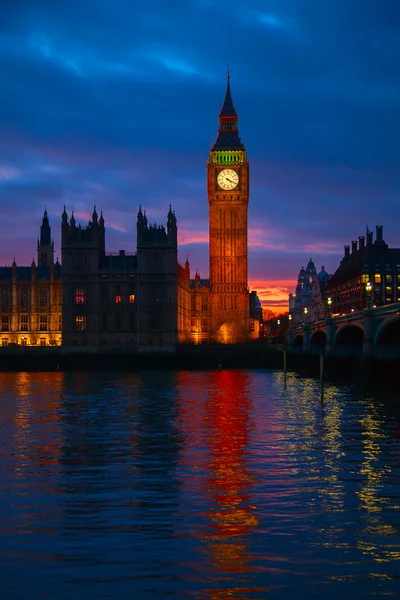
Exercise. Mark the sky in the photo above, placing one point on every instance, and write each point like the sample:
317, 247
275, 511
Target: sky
115, 104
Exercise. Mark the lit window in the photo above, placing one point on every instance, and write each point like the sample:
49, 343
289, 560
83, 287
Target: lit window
377, 278
131, 298
43, 323
80, 322
80, 296
24, 323
5, 323
118, 299
365, 278
4, 342
42, 341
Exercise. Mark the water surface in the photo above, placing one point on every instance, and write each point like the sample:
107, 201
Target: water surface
203, 485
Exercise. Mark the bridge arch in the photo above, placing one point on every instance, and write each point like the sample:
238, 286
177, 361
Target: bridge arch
387, 339
298, 343
349, 339
318, 341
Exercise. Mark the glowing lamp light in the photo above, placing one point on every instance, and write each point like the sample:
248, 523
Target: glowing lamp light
329, 301
305, 310
290, 317
278, 322
368, 287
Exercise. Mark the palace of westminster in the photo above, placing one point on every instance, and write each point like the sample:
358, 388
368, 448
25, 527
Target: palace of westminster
145, 299
96, 299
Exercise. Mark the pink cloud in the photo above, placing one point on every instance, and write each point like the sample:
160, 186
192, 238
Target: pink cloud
7, 173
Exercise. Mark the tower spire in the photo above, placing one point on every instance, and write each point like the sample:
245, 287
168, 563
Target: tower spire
228, 134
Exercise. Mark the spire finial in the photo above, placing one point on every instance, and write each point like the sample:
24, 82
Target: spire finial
228, 73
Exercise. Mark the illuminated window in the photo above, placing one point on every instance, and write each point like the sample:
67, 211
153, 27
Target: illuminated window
43, 323
131, 298
118, 299
377, 278
80, 296
389, 290
4, 342
365, 278
42, 341
389, 279
80, 322
23, 324
204, 327
5, 323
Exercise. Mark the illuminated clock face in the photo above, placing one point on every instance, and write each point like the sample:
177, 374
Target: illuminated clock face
228, 179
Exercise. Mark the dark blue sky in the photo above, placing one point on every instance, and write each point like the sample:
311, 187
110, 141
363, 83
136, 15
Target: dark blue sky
114, 103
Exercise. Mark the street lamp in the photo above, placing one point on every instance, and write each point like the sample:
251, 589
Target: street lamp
368, 288
305, 315
329, 306
290, 321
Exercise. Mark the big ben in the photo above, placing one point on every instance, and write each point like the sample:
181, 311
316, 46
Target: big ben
228, 197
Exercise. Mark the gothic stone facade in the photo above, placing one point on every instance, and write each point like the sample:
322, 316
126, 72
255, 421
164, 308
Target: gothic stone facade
145, 298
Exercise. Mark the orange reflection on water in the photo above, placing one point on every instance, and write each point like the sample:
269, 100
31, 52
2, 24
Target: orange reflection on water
36, 417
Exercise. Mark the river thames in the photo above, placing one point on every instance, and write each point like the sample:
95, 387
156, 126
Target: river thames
197, 485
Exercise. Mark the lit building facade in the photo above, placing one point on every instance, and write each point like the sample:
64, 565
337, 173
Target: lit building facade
30, 298
366, 262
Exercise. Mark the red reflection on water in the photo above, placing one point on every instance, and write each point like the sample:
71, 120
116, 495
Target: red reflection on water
215, 414
229, 481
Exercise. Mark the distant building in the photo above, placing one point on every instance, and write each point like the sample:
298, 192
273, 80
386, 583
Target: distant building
371, 262
310, 295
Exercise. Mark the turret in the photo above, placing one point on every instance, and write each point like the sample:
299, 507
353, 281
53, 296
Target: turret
94, 216
45, 246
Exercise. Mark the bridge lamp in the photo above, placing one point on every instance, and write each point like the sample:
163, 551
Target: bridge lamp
278, 322
290, 320
368, 288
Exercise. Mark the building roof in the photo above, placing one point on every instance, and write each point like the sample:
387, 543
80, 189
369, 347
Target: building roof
120, 262
202, 283
25, 273
371, 258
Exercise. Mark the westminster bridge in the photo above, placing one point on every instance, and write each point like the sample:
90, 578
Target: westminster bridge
373, 332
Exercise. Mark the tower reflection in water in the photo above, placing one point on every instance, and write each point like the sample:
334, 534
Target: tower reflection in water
223, 403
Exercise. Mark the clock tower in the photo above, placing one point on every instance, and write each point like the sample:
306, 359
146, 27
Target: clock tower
228, 197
